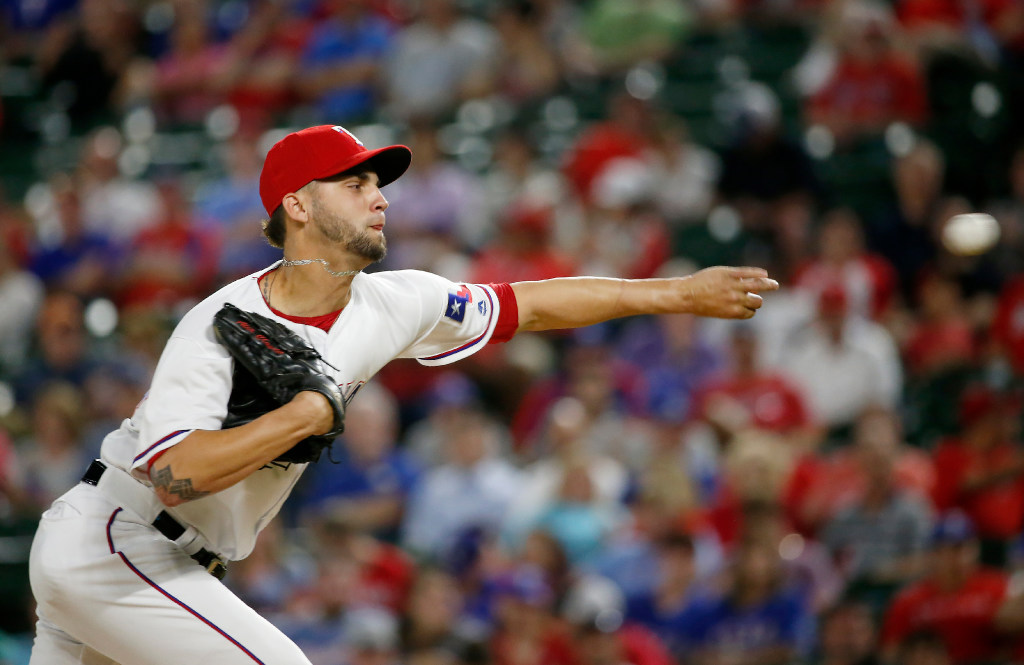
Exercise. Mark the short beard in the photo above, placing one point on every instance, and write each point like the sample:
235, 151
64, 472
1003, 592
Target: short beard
335, 229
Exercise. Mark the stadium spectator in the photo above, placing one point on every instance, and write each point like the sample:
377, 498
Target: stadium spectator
435, 210
608, 389
226, 208
260, 63
623, 33
749, 396
756, 620
189, 79
371, 638
869, 280
113, 205
62, 351
958, 601
825, 484
807, 566
342, 61
21, 293
848, 636
432, 613
527, 69
525, 632
578, 518
879, 539
518, 178
924, 648
685, 171
267, 578
170, 263
981, 471
368, 488
767, 179
664, 607
941, 340
624, 134
903, 234
625, 234
573, 471
49, 460
872, 85
438, 60
843, 364
523, 249
474, 487
77, 260
83, 56
318, 613
594, 609
677, 357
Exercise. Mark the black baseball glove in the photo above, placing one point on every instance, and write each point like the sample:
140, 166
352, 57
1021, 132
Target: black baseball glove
272, 365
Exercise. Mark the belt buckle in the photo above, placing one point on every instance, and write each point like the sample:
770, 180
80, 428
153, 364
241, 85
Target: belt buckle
217, 568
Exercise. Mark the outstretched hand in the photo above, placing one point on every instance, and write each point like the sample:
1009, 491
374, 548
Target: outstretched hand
726, 293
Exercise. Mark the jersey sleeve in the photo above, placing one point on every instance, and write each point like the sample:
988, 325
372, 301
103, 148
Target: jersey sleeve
190, 391
457, 320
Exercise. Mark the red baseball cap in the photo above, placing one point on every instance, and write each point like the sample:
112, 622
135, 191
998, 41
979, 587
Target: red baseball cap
320, 152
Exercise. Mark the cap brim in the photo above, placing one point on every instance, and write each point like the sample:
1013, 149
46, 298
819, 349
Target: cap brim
388, 163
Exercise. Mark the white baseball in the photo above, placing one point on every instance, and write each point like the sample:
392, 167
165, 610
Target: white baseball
970, 234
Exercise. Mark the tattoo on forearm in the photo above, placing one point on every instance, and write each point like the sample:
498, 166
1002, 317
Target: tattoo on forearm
164, 480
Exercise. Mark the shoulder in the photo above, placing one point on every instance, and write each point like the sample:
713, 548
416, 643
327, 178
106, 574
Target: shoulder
399, 286
397, 279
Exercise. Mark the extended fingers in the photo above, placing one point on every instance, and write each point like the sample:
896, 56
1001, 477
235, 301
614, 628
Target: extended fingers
758, 284
748, 272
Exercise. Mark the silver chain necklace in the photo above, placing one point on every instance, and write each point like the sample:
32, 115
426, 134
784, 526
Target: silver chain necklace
326, 265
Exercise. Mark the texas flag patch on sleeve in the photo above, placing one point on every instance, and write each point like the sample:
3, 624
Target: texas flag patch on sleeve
458, 301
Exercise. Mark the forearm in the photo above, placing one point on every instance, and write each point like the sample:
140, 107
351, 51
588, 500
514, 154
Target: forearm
573, 302
208, 461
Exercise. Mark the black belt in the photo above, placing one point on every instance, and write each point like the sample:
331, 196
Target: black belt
166, 525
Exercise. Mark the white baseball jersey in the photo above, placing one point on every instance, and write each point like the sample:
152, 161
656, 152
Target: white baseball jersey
399, 314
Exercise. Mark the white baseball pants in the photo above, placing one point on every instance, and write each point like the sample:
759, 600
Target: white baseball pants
111, 589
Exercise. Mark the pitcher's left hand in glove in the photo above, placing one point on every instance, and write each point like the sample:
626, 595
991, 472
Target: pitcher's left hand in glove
272, 365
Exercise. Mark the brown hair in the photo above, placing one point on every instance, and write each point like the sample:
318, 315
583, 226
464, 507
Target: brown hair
274, 228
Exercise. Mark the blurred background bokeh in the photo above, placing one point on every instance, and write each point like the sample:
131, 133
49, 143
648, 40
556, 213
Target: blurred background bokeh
838, 481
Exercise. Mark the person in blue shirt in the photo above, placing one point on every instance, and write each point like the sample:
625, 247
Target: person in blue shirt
341, 61
367, 490
757, 621
662, 607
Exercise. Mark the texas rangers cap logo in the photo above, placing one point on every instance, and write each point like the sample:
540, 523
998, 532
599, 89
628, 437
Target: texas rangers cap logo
342, 130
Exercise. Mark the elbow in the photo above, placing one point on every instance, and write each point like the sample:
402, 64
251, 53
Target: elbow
175, 488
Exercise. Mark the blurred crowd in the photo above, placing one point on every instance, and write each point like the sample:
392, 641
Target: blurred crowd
838, 481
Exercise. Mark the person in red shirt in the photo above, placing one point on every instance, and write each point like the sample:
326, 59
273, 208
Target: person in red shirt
624, 134
594, 609
522, 248
942, 337
527, 632
871, 86
749, 397
961, 602
982, 470
868, 279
